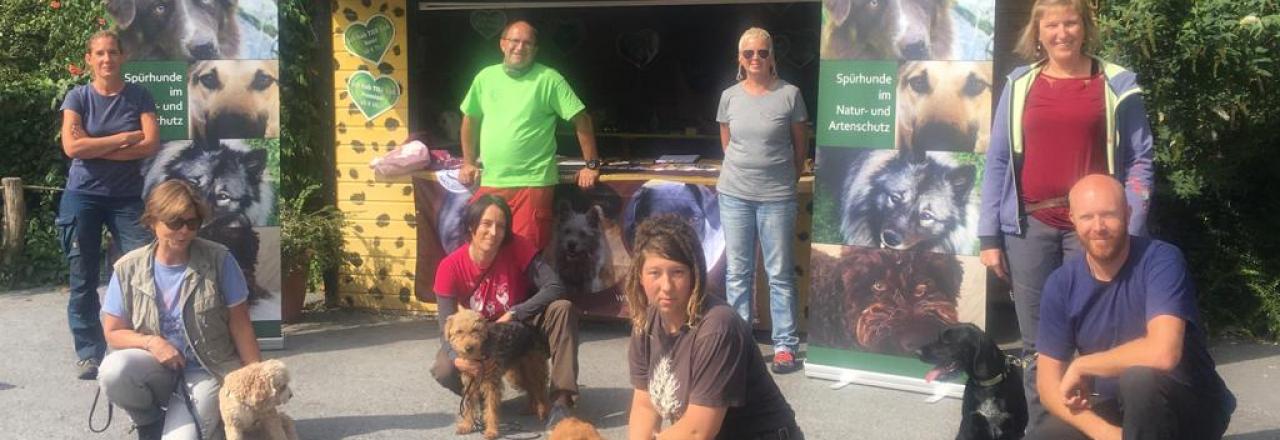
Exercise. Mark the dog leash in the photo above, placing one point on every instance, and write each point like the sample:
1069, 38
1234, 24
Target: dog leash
94, 408
470, 388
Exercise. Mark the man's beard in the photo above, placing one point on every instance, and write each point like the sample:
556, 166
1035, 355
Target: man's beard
1107, 250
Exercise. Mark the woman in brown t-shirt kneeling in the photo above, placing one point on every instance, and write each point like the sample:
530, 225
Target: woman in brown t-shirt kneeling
693, 361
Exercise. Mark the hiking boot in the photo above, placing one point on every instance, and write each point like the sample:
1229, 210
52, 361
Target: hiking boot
784, 362
88, 369
154, 431
558, 413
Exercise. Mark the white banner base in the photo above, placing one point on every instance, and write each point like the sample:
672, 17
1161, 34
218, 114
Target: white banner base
845, 376
271, 343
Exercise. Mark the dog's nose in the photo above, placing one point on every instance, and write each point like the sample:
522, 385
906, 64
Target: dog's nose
203, 51
891, 238
915, 51
943, 136
236, 126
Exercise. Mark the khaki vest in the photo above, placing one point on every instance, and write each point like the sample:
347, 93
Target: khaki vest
204, 313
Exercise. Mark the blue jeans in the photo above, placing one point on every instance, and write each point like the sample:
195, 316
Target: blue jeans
773, 224
80, 221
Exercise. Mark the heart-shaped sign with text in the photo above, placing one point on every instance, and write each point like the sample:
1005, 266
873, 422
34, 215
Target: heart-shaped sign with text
373, 96
370, 40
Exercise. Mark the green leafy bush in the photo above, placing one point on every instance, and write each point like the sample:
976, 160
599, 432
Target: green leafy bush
1208, 68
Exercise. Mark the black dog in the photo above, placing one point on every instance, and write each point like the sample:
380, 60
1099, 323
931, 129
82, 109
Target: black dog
994, 406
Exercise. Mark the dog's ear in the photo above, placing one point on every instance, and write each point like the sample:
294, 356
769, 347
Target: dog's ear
448, 324
837, 10
595, 216
255, 162
962, 179
123, 10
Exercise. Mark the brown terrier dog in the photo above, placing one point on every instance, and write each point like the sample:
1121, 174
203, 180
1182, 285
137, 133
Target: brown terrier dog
574, 428
501, 349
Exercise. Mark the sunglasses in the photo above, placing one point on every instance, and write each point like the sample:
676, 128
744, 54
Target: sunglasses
191, 223
751, 53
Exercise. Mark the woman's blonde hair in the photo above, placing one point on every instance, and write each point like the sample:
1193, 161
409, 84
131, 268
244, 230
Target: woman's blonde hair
670, 237
88, 44
1028, 46
756, 33
170, 200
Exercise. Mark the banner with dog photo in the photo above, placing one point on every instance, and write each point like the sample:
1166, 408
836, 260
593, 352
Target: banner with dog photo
904, 115
212, 67
593, 231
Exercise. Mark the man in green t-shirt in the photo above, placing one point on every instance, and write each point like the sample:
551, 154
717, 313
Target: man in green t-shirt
514, 106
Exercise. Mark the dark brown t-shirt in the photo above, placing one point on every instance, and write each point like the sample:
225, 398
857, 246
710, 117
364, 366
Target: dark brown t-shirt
716, 364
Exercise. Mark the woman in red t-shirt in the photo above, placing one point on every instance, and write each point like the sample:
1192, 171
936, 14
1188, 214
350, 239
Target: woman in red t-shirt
503, 277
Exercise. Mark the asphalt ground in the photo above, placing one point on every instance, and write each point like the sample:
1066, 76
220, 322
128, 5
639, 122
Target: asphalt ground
363, 375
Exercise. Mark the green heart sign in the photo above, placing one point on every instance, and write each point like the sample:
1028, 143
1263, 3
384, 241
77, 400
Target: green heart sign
373, 96
370, 40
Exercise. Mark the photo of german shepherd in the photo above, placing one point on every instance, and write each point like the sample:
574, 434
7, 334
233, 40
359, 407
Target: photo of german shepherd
234, 99
901, 200
944, 106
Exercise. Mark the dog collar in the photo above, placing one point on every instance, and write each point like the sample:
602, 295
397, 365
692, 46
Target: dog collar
992, 381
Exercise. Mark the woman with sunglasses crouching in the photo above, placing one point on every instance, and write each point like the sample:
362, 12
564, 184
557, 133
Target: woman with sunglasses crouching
176, 317
762, 131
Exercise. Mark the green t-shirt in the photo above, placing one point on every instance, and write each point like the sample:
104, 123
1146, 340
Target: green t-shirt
518, 127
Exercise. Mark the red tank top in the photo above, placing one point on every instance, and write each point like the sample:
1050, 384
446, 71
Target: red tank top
1064, 129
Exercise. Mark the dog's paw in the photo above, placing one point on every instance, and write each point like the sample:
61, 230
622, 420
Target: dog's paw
490, 434
465, 427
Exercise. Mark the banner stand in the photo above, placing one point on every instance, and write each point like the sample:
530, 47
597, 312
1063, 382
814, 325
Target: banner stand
846, 376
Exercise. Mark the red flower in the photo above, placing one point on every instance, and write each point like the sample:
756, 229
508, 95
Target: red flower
55, 4
102, 21
74, 69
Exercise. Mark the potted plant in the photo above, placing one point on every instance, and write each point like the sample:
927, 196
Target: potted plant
310, 244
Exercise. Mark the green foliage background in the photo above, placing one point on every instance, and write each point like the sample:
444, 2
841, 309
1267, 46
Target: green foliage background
1208, 68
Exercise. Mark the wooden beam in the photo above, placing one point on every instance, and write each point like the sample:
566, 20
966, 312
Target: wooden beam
15, 220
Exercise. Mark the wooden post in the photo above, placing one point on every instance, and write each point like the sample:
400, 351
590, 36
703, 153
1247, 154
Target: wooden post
15, 220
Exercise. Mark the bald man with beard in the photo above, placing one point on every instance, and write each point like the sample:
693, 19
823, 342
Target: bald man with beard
1122, 350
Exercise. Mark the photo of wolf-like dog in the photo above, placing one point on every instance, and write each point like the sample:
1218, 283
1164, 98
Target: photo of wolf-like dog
944, 106
881, 300
234, 99
587, 238
189, 30
234, 179
907, 29
900, 200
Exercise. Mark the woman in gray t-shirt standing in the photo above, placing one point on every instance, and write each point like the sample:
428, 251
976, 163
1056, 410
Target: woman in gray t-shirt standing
762, 130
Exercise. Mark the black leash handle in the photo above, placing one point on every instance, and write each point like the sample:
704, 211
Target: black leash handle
94, 409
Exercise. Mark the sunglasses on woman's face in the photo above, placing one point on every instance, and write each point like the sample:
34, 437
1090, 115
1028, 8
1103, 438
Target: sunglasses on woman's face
191, 223
751, 53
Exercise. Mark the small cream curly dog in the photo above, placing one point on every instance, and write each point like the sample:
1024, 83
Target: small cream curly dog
248, 401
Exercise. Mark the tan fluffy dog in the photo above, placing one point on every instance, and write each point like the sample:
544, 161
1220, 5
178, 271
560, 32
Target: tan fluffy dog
944, 106
234, 99
574, 428
474, 338
248, 401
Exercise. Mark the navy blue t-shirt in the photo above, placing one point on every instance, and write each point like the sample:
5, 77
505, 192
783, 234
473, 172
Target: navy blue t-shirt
104, 116
1080, 313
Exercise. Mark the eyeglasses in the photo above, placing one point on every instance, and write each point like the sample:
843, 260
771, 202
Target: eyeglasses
751, 53
519, 42
191, 223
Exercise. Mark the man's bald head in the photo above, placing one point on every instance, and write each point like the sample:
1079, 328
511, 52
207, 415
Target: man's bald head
1099, 188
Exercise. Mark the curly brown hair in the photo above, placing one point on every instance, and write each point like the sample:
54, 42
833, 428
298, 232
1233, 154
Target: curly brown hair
671, 237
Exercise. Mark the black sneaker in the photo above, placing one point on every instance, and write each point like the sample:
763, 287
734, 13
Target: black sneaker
88, 369
558, 413
784, 362
154, 431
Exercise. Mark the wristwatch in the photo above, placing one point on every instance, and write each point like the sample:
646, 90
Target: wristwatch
593, 164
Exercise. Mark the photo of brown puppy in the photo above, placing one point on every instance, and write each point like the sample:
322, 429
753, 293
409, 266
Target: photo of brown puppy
509, 349
944, 106
249, 402
925, 29
234, 99
881, 300
177, 29
574, 428
860, 29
